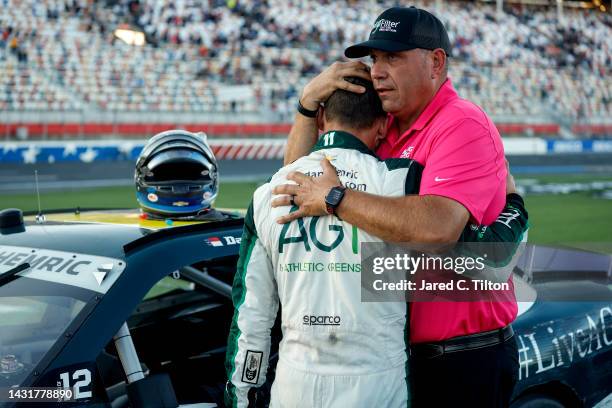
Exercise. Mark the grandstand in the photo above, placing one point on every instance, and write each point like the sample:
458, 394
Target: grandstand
64, 73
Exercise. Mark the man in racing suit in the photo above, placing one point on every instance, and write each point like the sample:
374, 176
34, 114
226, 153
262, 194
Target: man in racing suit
335, 350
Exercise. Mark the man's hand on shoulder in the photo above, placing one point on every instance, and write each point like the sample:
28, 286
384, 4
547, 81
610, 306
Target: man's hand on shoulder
308, 194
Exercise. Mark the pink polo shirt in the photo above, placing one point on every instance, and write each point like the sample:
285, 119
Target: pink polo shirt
463, 156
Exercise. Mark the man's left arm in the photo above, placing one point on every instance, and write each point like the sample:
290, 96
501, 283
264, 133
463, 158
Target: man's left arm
500, 244
509, 227
255, 298
511, 224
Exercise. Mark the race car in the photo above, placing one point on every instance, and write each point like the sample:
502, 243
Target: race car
76, 286
110, 309
565, 333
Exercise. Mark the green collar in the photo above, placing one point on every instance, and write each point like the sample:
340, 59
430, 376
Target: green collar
337, 139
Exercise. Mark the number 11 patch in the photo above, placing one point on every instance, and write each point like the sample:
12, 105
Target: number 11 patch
252, 365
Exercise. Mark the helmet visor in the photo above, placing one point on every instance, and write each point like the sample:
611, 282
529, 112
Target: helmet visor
179, 165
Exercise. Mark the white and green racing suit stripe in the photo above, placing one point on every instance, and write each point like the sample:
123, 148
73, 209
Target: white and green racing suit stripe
264, 307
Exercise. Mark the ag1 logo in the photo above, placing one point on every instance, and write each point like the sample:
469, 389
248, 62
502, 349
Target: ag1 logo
305, 237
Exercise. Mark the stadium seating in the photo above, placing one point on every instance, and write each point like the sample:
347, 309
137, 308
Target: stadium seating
60, 55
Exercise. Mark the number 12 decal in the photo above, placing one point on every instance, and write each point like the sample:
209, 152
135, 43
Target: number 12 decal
83, 380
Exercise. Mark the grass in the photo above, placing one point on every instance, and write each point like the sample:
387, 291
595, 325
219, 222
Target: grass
235, 195
571, 218
566, 178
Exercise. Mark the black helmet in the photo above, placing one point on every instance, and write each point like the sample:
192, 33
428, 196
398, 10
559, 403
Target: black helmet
176, 175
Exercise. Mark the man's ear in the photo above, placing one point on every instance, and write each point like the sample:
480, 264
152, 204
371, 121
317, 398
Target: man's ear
381, 128
439, 63
380, 132
320, 117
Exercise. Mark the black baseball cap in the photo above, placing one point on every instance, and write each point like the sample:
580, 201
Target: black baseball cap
401, 29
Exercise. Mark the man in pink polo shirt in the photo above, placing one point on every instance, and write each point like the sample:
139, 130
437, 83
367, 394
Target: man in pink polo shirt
463, 181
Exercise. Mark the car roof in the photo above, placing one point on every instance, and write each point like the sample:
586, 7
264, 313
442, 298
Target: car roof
94, 232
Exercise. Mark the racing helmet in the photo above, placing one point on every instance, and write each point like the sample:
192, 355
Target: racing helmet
176, 175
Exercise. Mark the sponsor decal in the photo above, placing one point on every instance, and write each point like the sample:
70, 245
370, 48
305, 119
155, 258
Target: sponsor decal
230, 240
252, 366
438, 179
86, 271
602, 146
328, 244
100, 274
384, 25
566, 146
343, 174
507, 217
407, 153
540, 352
152, 197
227, 240
320, 267
356, 186
214, 241
312, 320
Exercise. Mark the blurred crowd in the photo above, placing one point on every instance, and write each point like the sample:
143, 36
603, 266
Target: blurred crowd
238, 56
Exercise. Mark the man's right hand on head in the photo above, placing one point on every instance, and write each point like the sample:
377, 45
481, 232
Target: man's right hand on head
320, 88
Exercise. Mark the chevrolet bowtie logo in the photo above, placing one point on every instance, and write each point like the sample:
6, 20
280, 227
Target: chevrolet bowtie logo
180, 203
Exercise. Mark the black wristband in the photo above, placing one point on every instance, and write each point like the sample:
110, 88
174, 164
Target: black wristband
306, 112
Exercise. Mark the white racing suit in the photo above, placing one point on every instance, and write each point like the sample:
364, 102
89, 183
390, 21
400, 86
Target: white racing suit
336, 351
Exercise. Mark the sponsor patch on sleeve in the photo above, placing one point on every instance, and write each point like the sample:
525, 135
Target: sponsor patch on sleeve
252, 365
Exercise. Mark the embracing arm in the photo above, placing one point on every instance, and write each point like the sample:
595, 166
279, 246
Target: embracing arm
431, 218
413, 218
422, 219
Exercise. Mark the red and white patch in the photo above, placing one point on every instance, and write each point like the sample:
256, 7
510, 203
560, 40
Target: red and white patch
407, 153
214, 241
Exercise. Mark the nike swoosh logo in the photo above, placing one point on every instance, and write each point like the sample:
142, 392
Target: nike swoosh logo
441, 179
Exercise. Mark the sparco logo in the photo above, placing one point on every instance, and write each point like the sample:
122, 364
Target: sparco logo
311, 320
385, 25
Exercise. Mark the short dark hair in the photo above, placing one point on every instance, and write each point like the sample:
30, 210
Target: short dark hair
357, 111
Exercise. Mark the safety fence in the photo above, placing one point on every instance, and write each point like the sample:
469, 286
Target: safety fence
87, 151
